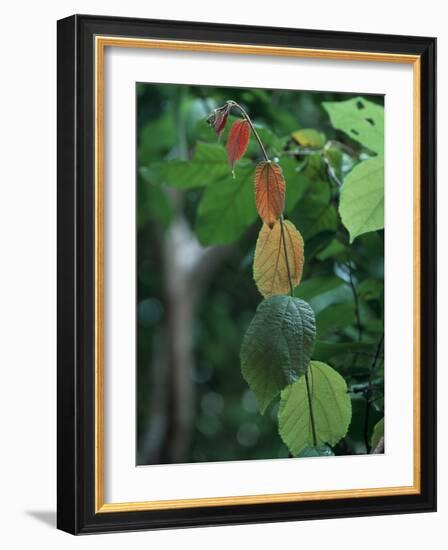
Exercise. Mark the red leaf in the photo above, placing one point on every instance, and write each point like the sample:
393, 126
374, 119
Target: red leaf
237, 141
269, 191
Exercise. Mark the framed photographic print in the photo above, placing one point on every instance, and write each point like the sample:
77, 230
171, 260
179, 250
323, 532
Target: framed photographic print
246, 274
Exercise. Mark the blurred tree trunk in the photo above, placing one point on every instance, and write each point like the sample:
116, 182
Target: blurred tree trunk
187, 270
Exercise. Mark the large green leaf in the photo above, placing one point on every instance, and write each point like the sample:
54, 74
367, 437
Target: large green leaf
208, 165
227, 208
361, 204
330, 404
277, 346
360, 119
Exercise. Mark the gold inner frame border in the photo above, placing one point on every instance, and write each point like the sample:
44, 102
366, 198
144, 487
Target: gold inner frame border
100, 44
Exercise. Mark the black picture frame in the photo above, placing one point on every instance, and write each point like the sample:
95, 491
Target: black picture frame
76, 301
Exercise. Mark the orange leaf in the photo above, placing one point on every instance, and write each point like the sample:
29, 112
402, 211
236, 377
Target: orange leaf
269, 191
272, 274
237, 141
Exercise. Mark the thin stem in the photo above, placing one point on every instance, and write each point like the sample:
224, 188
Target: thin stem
368, 395
282, 228
247, 117
355, 299
310, 405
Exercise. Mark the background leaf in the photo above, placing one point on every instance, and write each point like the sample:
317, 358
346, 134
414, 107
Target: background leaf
362, 198
277, 346
315, 212
226, 209
297, 180
209, 164
360, 119
269, 191
331, 409
308, 137
272, 268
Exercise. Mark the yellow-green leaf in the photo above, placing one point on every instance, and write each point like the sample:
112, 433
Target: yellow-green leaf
331, 405
275, 272
308, 137
362, 198
360, 119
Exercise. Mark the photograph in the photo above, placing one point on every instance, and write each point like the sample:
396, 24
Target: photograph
259, 274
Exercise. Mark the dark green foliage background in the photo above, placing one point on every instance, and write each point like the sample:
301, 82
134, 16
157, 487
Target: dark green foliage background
171, 120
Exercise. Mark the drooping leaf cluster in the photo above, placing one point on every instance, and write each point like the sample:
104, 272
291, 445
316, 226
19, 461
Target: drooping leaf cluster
316, 178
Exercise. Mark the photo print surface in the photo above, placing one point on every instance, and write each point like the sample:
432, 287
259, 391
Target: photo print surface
260, 274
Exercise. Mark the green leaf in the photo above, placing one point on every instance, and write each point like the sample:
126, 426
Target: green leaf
361, 204
360, 119
321, 450
297, 182
335, 250
277, 346
209, 165
227, 208
331, 407
377, 434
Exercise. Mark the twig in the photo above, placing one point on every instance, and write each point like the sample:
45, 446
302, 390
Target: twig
291, 287
246, 116
368, 395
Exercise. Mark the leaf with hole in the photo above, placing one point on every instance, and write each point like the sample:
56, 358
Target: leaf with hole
361, 203
330, 404
360, 119
269, 191
277, 346
237, 141
275, 271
